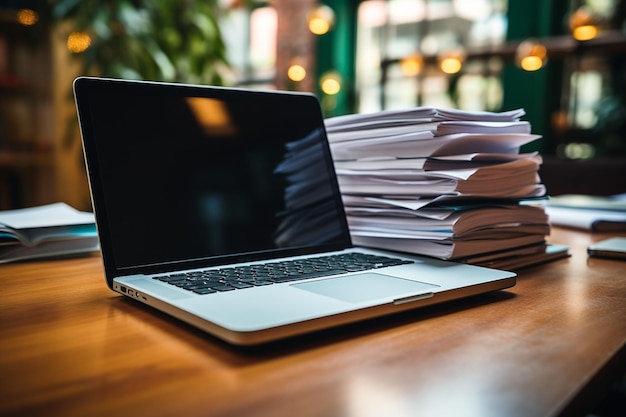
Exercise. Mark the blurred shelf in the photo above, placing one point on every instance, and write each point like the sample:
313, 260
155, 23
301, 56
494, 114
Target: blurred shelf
26, 159
611, 42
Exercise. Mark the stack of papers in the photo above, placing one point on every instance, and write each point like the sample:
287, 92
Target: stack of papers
46, 231
443, 183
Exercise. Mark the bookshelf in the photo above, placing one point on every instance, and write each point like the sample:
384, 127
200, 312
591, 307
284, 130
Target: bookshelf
25, 113
40, 155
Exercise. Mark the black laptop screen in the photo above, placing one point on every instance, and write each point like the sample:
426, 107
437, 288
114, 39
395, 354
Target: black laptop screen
212, 175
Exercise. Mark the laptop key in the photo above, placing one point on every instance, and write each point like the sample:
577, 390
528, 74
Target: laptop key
355, 268
316, 274
203, 291
239, 285
222, 288
171, 278
261, 282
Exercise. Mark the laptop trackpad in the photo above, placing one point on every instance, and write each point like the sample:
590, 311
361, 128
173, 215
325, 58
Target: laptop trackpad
364, 287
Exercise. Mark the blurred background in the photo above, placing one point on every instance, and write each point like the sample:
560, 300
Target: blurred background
563, 61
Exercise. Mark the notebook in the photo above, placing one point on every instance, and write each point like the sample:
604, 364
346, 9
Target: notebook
209, 201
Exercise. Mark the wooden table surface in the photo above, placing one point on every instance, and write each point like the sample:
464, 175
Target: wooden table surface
71, 347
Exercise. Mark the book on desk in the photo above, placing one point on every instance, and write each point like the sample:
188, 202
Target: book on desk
586, 212
46, 231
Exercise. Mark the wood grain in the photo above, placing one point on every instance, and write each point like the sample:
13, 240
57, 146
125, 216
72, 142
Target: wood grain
549, 345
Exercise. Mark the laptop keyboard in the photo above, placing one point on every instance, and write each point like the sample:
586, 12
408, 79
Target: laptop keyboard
234, 278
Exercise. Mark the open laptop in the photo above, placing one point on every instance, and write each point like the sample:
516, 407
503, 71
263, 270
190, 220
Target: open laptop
220, 207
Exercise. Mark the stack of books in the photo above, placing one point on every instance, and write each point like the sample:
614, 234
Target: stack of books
448, 184
46, 231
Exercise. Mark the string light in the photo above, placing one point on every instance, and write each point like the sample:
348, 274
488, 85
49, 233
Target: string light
412, 65
27, 17
451, 62
583, 25
296, 73
531, 55
78, 42
321, 19
331, 83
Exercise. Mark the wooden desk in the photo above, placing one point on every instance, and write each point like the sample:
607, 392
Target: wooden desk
549, 345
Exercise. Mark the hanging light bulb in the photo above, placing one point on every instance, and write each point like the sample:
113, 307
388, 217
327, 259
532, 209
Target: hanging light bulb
78, 42
27, 17
296, 72
583, 25
321, 19
531, 55
331, 83
451, 61
412, 65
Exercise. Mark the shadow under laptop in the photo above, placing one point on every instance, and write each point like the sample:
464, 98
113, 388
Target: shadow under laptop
161, 325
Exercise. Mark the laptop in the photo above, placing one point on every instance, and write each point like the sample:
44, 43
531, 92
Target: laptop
220, 207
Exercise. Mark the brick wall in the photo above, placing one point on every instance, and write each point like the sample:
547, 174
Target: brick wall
295, 43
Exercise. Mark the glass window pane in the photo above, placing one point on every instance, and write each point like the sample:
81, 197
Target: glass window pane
250, 38
391, 31
263, 40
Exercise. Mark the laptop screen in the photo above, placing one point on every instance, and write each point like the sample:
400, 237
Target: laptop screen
206, 175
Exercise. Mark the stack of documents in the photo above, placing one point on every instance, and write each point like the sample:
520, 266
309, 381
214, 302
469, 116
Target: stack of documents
46, 231
444, 183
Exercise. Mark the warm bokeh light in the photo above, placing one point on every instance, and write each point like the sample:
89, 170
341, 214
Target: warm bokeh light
451, 61
331, 86
321, 20
531, 63
450, 64
583, 25
331, 83
78, 42
531, 56
585, 33
296, 73
560, 121
412, 65
319, 26
27, 17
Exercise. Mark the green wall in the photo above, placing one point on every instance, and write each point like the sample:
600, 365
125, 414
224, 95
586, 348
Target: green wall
538, 92
336, 51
